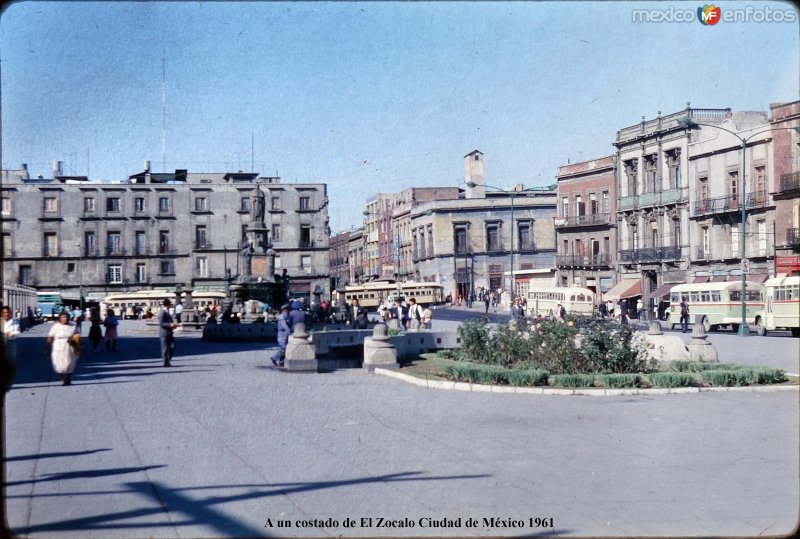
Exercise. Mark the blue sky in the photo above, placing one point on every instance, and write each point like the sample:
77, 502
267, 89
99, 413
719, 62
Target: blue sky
367, 97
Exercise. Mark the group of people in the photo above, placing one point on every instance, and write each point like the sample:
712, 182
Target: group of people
411, 317
519, 307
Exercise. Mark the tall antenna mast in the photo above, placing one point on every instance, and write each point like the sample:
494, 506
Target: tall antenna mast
252, 153
163, 114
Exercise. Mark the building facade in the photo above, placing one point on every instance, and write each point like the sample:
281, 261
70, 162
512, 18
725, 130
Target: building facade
355, 255
586, 224
466, 244
338, 260
719, 189
653, 211
159, 230
786, 186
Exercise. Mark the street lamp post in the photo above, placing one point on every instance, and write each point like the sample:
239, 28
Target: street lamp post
512, 195
685, 121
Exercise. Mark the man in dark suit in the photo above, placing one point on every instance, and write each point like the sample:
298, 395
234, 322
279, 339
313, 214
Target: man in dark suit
165, 333
399, 312
357, 316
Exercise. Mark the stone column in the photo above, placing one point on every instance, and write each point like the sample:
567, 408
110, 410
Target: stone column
378, 351
699, 347
301, 355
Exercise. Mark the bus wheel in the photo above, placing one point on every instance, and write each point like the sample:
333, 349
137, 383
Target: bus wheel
795, 332
706, 325
760, 325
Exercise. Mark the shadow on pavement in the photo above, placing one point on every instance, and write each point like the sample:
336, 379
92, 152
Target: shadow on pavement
184, 510
85, 474
54, 455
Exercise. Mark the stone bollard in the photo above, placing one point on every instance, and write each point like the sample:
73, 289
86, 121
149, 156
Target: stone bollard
655, 328
394, 323
301, 355
378, 351
699, 347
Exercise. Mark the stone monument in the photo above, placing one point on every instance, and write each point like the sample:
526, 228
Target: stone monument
301, 355
699, 347
378, 351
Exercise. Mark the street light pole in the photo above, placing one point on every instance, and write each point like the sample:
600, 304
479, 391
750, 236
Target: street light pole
685, 121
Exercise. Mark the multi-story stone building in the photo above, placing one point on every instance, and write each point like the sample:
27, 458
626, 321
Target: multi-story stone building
786, 187
159, 230
465, 244
338, 260
717, 188
401, 222
653, 203
586, 224
355, 255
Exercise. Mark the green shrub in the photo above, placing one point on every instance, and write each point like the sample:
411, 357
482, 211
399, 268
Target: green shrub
620, 380
475, 342
510, 345
768, 375
446, 353
527, 377
476, 373
672, 379
738, 377
700, 366
573, 380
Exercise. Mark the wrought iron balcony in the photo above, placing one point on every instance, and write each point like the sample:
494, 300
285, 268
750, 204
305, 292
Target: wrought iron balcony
793, 237
729, 203
649, 254
582, 220
588, 261
646, 200
790, 183
115, 251
203, 245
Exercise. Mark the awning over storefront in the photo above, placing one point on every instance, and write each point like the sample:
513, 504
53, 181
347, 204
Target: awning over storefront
624, 289
719, 278
662, 291
758, 278
701, 279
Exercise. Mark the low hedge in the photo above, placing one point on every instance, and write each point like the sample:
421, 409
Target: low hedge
620, 380
573, 380
700, 366
743, 377
493, 374
672, 379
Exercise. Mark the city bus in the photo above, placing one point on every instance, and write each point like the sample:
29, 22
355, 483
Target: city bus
716, 304
124, 303
373, 295
49, 304
781, 306
545, 299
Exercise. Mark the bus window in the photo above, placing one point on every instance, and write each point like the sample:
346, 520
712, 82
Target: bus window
693, 297
753, 295
736, 295
705, 296
676, 298
715, 296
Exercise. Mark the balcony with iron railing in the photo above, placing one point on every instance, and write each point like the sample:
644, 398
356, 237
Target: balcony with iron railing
583, 261
790, 184
732, 251
793, 237
646, 200
201, 245
570, 221
115, 251
650, 254
729, 203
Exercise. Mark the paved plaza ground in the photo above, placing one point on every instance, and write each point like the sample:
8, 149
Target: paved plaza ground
220, 446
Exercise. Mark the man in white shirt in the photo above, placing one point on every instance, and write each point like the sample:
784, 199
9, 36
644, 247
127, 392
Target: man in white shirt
414, 315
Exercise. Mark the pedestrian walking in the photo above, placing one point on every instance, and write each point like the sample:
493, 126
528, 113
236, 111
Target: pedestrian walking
111, 324
166, 333
95, 333
486, 302
414, 315
284, 330
517, 311
684, 315
427, 317
399, 313
63, 344
602, 309
356, 316
10, 332
562, 312
178, 312
77, 317
639, 309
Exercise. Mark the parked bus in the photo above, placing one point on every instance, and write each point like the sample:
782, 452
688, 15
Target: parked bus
49, 304
20, 298
124, 303
781, 306
545, 299
716, 304
373, 295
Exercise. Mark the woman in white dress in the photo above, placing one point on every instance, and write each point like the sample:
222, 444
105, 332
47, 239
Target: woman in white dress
61, 349
10, 332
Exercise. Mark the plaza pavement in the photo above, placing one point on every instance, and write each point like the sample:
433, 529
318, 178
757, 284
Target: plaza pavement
219, 444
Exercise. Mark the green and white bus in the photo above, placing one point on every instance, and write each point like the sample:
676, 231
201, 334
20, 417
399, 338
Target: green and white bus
716, 304
781, 306
545, 299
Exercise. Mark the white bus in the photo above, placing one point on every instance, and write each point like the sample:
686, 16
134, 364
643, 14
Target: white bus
781, 306
716, 304
124, 303
545, 299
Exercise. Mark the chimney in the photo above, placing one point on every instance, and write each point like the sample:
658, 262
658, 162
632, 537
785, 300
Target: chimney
473, 172
57, 169
147, 166
25, 175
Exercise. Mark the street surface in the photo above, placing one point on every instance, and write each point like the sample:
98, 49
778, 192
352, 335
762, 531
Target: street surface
220, 445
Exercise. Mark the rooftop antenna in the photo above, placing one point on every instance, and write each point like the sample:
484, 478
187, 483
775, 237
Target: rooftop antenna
252, 152
163, 113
